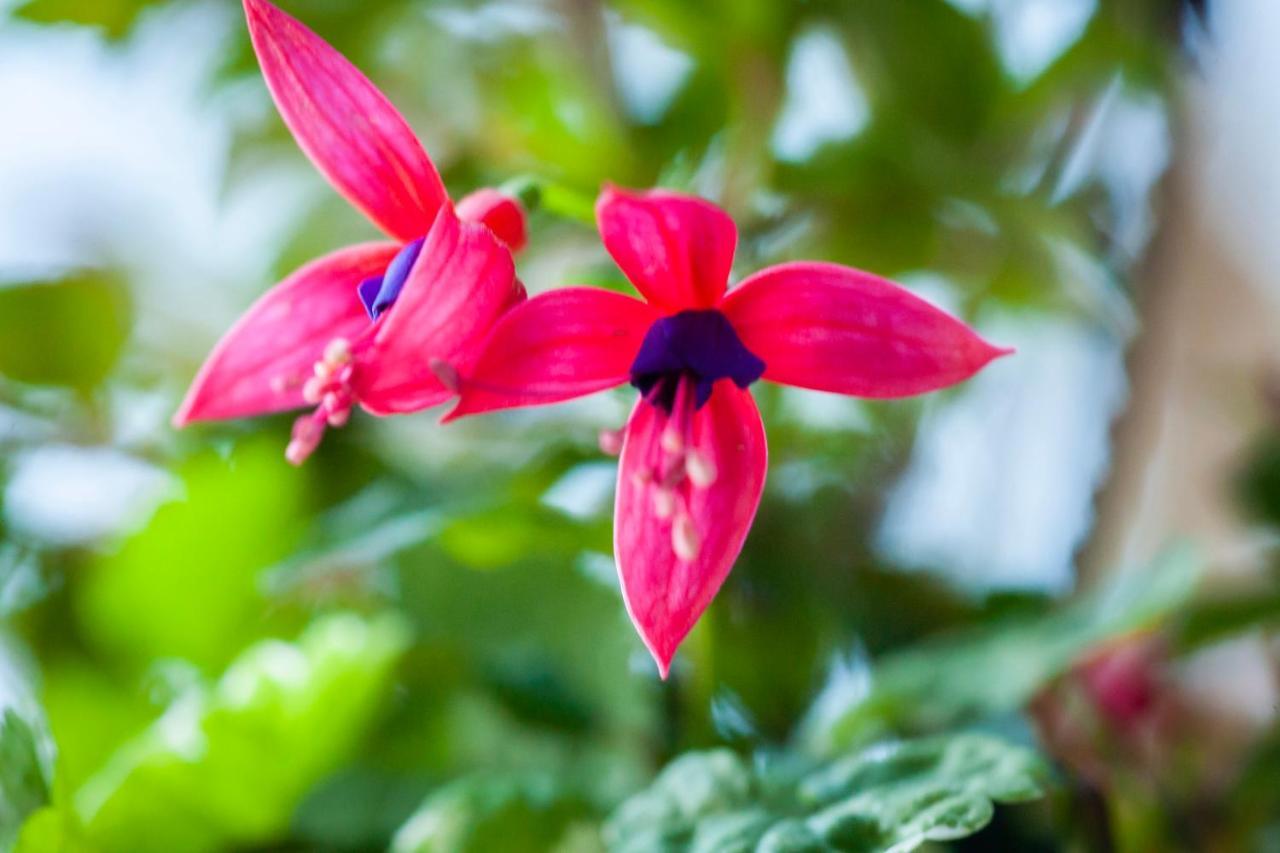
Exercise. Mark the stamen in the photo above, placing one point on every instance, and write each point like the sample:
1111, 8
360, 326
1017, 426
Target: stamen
664, 502
307, 432
313, 390
680, 419
700, 468
338, 352
684, 538
673, 468
329, 390
672, 441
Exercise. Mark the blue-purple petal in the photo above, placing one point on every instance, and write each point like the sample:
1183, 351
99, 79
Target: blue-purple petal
697, 343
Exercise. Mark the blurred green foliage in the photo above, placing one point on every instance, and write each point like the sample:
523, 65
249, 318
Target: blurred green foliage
115, 17
87, 313
24, 786
228, 763
895, 796
187, 600
933, 686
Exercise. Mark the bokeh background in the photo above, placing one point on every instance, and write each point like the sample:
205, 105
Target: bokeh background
1053, 588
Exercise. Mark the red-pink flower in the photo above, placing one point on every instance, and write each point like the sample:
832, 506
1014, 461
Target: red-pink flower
693, 453
382, 324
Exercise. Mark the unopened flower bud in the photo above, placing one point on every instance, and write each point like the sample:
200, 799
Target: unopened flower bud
611, 441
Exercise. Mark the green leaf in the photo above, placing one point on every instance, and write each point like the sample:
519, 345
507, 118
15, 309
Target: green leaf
51, 830
892, 796
227, 765
498, 538
490, 812
939, 683
24, 785
1223, 614
188, 585
113, 16
67, 332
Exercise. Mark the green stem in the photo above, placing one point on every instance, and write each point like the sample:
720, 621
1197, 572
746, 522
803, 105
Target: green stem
537, 193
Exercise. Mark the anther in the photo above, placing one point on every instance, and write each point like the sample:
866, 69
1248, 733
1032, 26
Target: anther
664, 502
323, 370
672, 441
313, 390
700, 468
307, 432
338, 352
684, 538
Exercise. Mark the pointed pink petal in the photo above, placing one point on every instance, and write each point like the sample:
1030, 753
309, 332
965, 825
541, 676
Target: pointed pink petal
462, 283
832, 328
666, 595
504, 215
259, 366
351, 132
559, 345
676, 249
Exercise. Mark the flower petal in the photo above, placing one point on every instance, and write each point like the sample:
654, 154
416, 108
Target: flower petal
559, 345
833, 328
676, 249
260, 364
462, 283
352, 133
665, 595
503, 214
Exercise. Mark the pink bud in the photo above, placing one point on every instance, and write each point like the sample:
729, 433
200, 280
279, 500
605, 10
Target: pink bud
611, 441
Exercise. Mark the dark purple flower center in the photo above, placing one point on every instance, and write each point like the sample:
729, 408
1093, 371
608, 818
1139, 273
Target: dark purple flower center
380, 292
700, 345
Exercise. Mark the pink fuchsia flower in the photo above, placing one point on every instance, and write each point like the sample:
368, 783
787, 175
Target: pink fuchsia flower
693, 452
384, 324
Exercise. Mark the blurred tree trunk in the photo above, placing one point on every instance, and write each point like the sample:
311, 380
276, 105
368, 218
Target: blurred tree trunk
1206, 354
1199, 372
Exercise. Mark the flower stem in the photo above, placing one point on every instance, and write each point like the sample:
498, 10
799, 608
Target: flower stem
537, 193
